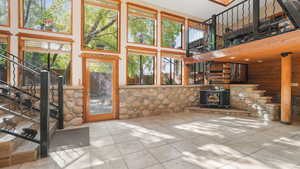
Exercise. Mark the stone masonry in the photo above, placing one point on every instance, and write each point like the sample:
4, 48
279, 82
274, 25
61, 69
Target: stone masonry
248, 97
141, 101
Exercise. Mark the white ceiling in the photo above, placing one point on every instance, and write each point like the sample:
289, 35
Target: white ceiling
197, 8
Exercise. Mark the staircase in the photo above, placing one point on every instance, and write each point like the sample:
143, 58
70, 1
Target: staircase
30, 111
252, 99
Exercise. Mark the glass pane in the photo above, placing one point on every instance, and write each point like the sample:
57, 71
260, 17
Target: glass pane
148, 70
133, 69
3, 12
176, 73
59, 63
100, 28
3, 63
140, 69
49, 15
141, 30
100, 94
171, 34
166, 71
171, 71
196, 73
195, 34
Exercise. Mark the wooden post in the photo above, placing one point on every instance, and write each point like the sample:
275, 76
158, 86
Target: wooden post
286, 88
186, 73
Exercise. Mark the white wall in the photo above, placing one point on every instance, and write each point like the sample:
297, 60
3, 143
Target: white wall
76, 36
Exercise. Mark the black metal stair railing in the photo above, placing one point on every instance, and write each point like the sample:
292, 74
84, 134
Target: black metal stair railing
251, 20
28, 91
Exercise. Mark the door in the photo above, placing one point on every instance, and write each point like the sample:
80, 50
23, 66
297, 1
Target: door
100, 89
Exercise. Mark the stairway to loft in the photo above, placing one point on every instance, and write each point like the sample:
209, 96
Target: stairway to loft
29, 113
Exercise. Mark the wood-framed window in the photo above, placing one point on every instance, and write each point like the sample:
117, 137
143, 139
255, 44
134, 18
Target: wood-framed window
172, 28
140, 66
141, 24
4, 12
196, 31
48, 54
4, 66
101, 28
46, 15
196, 73
171, 68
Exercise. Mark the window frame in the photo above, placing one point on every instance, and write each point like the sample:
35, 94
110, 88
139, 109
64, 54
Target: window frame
175, 55
8, 15
7, 36
128, 4
145, 51
21, 24
173, 18
49, 38
201, 27
83, 2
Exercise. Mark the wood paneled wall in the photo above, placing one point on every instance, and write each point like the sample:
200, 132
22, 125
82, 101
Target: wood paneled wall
268, 75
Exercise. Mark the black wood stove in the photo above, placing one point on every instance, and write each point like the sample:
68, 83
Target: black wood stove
217, 98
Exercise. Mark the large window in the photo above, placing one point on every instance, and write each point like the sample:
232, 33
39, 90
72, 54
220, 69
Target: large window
141, 24
101, 30
172, 31
47, 15
140, 67
4, 12
197, 31
49, 55
3, 63
171, 70
196, 75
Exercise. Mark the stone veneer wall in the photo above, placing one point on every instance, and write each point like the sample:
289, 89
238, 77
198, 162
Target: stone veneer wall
73, 106
141, 101
247, 97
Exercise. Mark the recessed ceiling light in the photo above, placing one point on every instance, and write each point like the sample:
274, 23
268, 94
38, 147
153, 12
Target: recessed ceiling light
232, 57
247, 60
260, 61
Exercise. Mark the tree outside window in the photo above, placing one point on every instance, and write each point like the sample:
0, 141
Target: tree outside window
172, 33
141, 25
4, 19
171, 73
101, 26
140, 69
47, 15
52, 56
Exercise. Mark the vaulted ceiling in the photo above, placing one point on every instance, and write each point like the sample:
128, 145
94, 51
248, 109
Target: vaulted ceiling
197, 8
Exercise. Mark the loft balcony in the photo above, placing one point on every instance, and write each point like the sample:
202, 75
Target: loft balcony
225, 34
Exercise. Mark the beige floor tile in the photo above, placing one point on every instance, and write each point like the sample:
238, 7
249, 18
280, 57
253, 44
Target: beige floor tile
140, 160
165, 153
158, 166
130, 147
185, 146
179, 164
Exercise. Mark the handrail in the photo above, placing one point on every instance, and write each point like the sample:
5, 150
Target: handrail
21, 65
27, 63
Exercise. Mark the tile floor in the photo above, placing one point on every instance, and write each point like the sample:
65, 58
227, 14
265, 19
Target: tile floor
182, 141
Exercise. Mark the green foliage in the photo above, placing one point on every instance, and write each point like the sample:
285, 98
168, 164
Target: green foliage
2, 61
101, 28
50, 15
3, 12
100, 67
138, 63
172, 31
141, 30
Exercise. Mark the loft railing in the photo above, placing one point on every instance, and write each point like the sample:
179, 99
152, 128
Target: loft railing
247, 21
31, 102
